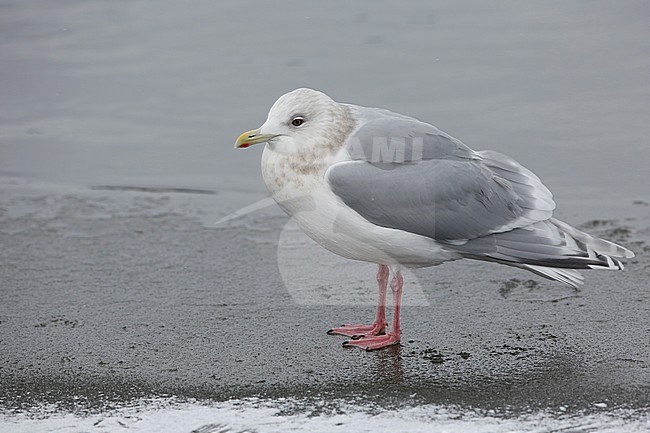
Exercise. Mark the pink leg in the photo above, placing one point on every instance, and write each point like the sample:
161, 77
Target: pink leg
379, 325
393, 336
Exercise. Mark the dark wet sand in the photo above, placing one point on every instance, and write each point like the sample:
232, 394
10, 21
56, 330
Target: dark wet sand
109, 295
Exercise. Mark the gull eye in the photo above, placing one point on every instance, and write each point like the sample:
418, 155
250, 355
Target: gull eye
297, 121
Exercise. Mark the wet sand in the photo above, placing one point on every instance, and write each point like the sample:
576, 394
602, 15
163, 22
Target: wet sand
116, 131
110, 295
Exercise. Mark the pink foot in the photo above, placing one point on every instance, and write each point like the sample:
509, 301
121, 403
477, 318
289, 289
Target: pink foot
378, 326
374, 342
359, 331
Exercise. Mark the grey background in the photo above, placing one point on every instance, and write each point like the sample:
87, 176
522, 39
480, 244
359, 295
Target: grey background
116, 128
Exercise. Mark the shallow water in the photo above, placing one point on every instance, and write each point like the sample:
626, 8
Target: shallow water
142, 93
116, 129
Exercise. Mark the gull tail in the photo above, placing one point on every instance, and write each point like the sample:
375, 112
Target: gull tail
551, 249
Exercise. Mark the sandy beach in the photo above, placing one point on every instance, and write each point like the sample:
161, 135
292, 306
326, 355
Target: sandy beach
118, 284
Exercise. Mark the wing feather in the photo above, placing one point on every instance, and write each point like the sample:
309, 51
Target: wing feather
408, 175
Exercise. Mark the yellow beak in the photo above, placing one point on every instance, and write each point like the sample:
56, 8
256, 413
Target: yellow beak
251, 137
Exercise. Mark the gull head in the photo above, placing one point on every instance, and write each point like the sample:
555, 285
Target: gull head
299, 121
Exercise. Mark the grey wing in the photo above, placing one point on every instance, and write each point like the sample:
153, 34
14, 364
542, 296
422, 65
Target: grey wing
408, 175
387, 137
447, 200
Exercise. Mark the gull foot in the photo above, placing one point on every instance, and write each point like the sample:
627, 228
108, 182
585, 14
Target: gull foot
358, 331
374, 342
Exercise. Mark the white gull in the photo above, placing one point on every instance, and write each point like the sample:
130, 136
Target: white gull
372, 185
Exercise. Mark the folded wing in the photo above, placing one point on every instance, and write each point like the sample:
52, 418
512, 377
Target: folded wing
407, 175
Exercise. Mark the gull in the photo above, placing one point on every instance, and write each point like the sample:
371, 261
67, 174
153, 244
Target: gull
372, 185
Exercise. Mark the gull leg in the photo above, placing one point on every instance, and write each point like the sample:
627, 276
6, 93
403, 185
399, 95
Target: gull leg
379, 325
392, 337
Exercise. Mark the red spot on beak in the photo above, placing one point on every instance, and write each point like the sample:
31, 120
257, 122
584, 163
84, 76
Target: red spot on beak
244, 145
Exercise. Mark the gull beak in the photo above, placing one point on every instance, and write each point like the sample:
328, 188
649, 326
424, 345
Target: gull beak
251, 137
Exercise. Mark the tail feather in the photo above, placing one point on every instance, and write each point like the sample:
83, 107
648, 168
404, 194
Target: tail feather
601, 246
570, 277
548, 248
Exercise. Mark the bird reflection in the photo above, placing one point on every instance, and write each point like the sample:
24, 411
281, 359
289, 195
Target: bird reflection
389, 366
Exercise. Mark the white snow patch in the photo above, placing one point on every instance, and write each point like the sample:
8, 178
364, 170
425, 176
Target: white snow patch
270, 416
